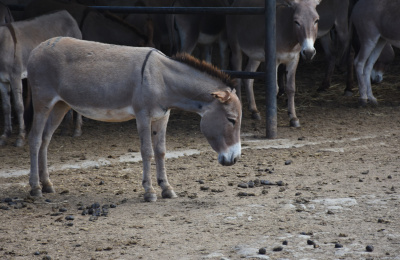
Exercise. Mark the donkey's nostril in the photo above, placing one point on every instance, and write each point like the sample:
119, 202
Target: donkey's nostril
235, 160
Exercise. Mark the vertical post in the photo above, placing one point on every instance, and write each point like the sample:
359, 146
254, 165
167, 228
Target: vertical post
270, 69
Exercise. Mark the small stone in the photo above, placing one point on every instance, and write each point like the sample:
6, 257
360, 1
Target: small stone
93, 218
48, 200
288, 162
243, 194
365, 172
389, 177
285, 243
70, 224
4, 208
113, 206
369, 248
262, 251
62, 210
85, 212
101, 183
278, 248
337, 245
46, 257
280, 183
310, 242
330, 212
316, 246
201, 181
37, 253
204, 188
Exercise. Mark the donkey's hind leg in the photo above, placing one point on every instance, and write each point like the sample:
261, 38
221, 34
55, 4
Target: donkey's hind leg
55, 118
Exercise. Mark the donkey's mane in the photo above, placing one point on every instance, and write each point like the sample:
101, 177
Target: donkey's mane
205, 67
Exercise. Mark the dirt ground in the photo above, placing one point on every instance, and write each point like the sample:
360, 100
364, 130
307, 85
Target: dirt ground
335, 181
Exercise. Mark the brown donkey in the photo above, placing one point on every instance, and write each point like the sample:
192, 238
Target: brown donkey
120, 83
296, 31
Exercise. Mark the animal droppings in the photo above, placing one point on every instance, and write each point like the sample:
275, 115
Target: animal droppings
310, 242
337, 245
69, 217
288, 162
369, 248
262, 251
243, 185
277, 249
285, 243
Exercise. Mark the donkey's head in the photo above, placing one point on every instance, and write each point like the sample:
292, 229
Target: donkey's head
305, 24
220, 124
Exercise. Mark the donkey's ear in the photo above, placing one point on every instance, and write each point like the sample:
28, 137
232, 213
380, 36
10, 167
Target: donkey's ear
222, 96
317, 1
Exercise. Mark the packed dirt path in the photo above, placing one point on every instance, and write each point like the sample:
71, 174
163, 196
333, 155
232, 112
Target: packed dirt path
327, 190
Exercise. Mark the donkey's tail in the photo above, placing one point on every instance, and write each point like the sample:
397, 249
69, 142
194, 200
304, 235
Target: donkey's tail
28, 110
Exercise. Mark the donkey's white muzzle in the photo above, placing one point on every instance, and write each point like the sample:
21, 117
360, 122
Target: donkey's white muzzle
231, 156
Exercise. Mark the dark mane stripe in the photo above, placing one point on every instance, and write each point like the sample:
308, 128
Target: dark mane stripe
205, 67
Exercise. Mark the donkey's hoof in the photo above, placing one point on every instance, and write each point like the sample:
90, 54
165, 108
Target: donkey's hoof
363, 102
348, 93
256, 116
20, 143
168, 194
150, 197
36, 192
294, 122
373, 101
48, 189
77, 133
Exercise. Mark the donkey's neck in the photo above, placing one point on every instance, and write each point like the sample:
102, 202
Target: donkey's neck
190, 89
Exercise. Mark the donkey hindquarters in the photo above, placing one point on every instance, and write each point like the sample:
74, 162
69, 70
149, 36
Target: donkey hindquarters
296, 31
130, 82
377, 22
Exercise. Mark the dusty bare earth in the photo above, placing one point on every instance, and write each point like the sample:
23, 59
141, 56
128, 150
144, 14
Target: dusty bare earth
336, 180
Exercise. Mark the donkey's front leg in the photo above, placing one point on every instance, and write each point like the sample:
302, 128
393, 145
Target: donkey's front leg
144, 128
16, 87
290, 92
159, 129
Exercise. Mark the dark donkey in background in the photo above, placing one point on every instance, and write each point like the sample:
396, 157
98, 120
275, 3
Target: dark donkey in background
296, 31
17, 40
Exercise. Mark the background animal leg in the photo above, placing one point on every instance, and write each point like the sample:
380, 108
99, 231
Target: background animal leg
328, 50
360, 61
370, 65
159, 129
223, 51
16, 88
290, 92
54, 120
6, 105
78, 125
252, 66
144, 128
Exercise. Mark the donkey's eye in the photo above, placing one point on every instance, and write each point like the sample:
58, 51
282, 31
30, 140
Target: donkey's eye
297, 23
233, 121
316, 21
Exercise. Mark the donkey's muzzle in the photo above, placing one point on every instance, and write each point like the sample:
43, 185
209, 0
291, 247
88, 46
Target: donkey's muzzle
308, 54
231, 156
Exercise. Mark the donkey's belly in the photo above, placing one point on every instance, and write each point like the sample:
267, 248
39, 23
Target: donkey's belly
107, 115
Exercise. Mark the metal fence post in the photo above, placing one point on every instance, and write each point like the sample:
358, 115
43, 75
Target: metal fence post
270, 69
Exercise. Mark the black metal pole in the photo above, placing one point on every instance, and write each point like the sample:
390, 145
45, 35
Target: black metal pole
270, 69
